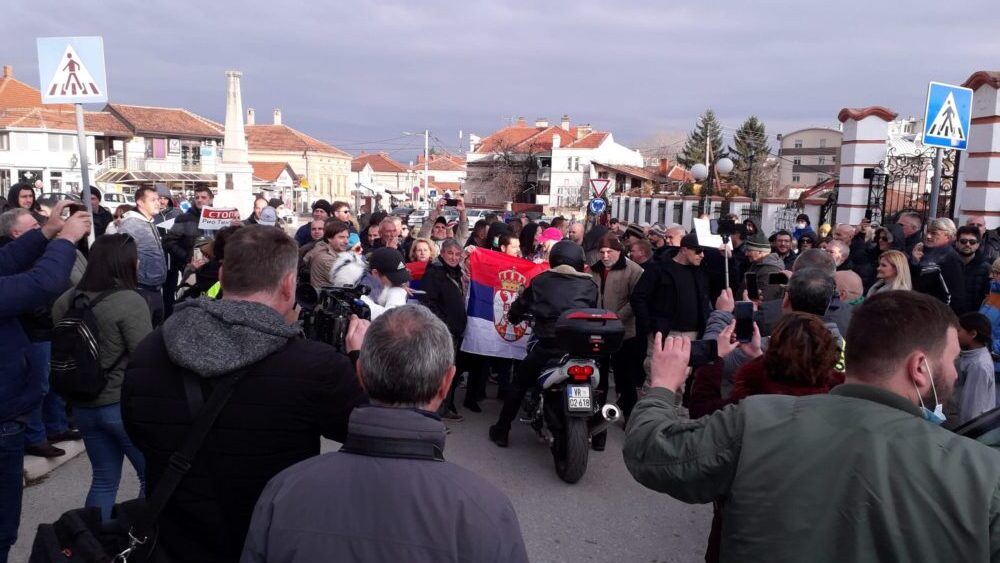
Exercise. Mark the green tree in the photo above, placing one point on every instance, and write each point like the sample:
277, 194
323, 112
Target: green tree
708, 127
749, 153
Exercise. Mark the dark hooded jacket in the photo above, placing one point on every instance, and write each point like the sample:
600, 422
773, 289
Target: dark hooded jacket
442, 287
12, 203
293, 392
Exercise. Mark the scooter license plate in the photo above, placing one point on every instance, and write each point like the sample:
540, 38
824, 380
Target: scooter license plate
578, 397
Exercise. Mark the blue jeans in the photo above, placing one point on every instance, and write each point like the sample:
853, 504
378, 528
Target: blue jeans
50, 416
11, 483
107, 444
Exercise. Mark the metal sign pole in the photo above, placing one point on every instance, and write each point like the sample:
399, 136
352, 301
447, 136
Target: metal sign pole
81, 137
935, 185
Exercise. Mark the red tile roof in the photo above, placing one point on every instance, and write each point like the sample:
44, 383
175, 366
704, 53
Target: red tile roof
442, 162
270, 171
443, 186
626, 169
17, 94
523, 139
379, 162
591, 141
62, 120
167, 121
284, 138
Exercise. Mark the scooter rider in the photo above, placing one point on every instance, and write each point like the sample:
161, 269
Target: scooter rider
564, 286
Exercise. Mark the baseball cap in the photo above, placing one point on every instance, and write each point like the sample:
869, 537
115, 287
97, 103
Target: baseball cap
268, 217
353, 240
690, 240
390, 263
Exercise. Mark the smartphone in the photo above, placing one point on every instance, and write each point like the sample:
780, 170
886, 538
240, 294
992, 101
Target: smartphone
703, 352
72, 208
450, 202
778, 279
744, 321
753, 290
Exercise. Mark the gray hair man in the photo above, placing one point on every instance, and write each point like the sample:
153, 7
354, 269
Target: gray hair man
390, 473
16, 222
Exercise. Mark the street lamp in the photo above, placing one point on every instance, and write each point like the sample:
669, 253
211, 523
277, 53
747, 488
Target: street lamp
700, 173
427, 137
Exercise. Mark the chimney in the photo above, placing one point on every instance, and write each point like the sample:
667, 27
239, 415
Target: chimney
277, 116
8, 72
583, 130
521, 122
555, 141
541, 122
473, 141
663, 166
565, 123
250, 115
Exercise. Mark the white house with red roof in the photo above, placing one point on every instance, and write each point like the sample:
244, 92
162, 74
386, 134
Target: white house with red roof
381, 179
565, 159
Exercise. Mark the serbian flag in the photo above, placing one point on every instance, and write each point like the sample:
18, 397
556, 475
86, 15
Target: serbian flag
495, 280
417, 270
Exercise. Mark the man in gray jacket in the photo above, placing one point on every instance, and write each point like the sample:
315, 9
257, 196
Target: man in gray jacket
388, 494
141, 226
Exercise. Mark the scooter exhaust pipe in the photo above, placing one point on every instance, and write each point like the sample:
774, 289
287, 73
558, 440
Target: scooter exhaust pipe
610, 413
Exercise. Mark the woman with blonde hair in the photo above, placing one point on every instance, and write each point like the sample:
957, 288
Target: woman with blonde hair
893, 272
423, 250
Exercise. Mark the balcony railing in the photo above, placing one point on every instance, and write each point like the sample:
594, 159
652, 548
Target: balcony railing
142, 164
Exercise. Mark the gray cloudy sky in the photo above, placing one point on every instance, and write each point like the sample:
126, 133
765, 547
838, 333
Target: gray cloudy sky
352, 73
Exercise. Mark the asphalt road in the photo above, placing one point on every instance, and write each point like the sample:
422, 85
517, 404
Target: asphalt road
606, 517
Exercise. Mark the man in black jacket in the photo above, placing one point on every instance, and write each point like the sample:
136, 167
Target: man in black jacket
179, 241
936, 268
444, 296
550, 294
293, 392
672, 296
389, 495
975, 270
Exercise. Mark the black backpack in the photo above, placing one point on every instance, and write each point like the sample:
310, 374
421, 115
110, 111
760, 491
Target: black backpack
75, 368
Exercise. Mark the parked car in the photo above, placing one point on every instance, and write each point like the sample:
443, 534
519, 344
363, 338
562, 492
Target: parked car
475, 214
403, 213
417, 217
114, 200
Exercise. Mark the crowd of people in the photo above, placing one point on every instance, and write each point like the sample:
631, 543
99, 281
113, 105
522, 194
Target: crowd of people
877, 327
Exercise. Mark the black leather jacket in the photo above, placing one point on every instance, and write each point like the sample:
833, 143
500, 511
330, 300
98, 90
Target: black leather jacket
550, 294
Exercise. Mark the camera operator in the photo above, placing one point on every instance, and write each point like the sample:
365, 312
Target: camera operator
292, 392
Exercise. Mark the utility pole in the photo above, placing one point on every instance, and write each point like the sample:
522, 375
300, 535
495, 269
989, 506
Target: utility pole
427, 147
750, 191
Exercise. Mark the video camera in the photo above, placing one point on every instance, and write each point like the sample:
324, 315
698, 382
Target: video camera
326, 314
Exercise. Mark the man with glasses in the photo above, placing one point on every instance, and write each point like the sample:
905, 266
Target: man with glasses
342, 212
672, 295
975, 269
989, 241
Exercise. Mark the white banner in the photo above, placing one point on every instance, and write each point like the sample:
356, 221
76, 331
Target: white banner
215, 218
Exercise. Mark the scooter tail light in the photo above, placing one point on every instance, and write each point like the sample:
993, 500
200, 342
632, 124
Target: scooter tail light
580, 373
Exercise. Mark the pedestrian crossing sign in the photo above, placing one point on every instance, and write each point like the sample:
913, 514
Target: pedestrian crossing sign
948, 116
71, 70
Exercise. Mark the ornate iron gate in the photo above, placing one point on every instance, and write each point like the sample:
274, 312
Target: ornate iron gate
902, 182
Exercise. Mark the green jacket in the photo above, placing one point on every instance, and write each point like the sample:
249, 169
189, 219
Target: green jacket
123, 321
856, 475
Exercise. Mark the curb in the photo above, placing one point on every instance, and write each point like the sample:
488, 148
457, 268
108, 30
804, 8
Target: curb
37, 467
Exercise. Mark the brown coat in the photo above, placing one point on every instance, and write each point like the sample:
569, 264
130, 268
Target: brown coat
320, 259
617, 288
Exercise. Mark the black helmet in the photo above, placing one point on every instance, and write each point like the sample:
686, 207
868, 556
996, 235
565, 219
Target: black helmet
569, 253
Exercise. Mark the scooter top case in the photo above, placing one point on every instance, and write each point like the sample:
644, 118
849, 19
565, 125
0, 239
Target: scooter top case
589, 332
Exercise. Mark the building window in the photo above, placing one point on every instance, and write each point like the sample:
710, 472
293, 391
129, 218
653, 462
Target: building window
576, 163
833, 159
229, 181
798, 143
5, 144
822, 160
569, 163
4, 180
822, 143
795, 178
797, 161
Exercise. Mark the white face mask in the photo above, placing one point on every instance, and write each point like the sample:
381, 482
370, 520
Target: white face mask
801, 225
937, 415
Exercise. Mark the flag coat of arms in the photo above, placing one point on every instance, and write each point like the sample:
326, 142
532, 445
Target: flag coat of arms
496, 280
